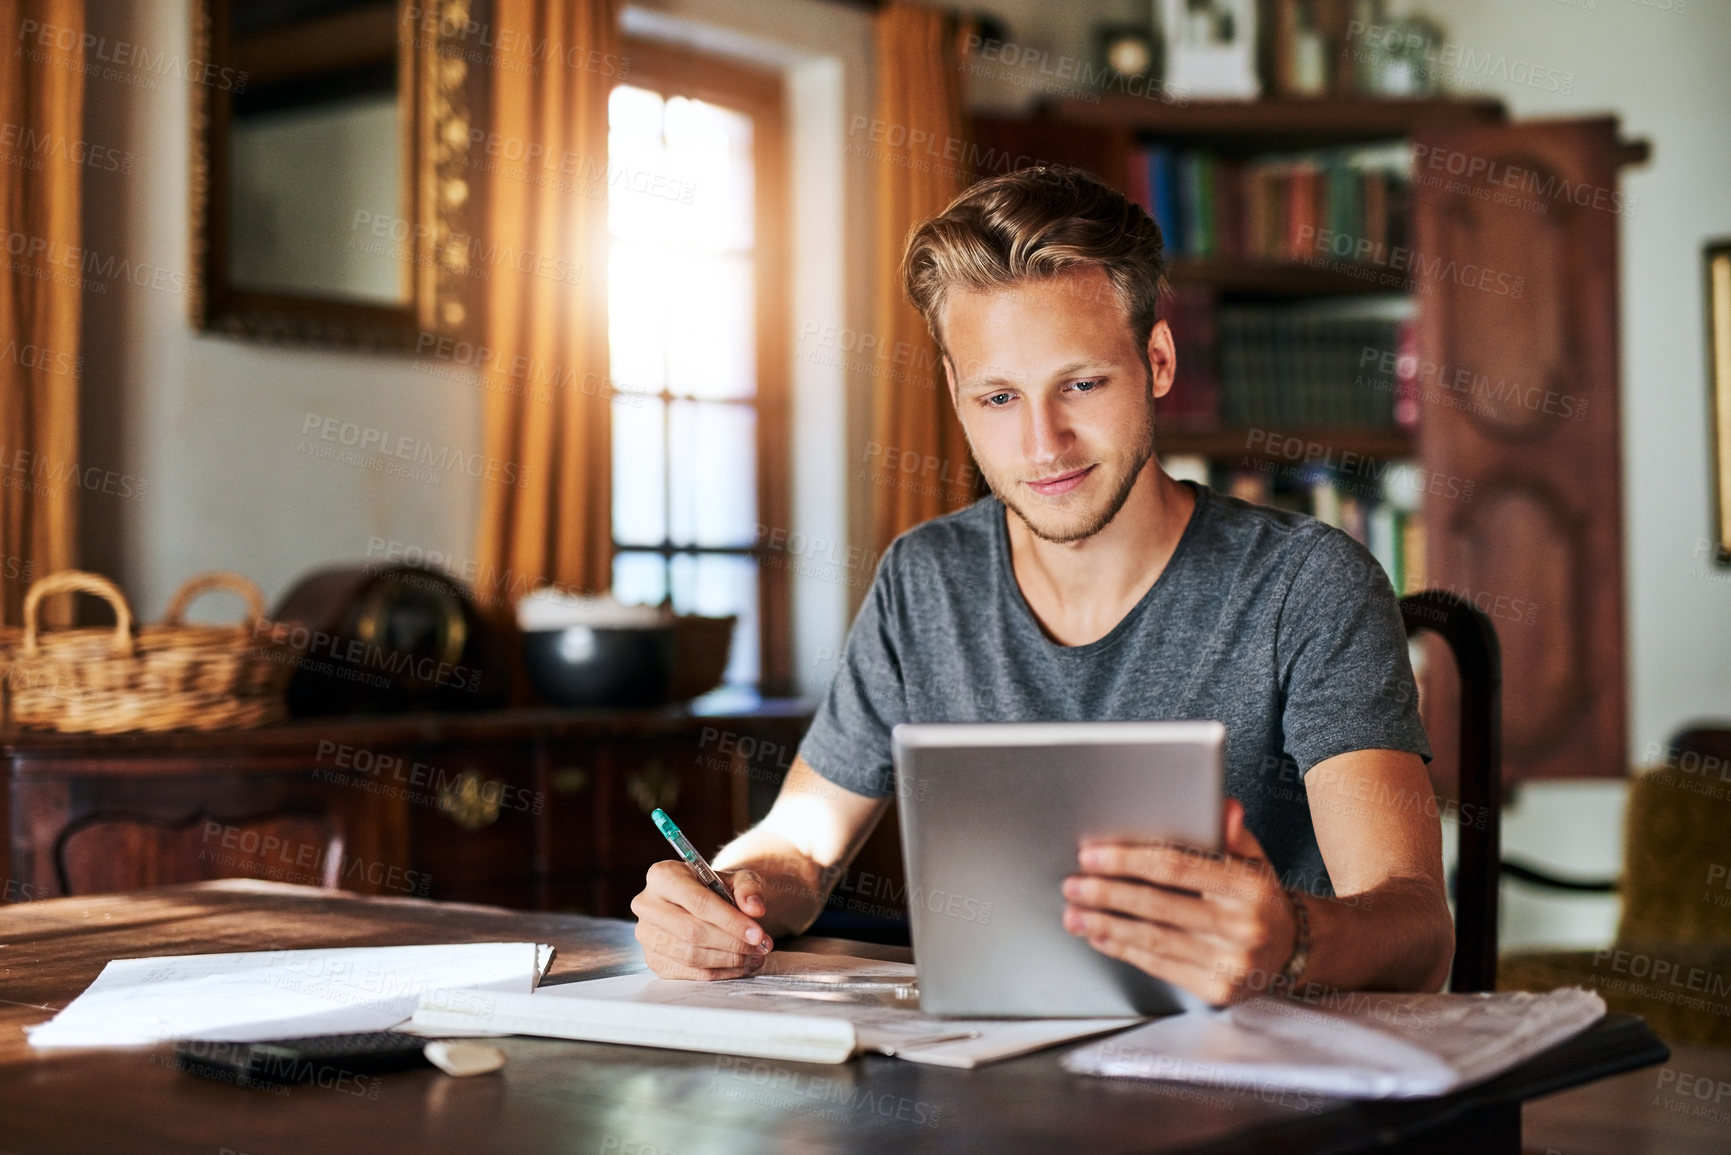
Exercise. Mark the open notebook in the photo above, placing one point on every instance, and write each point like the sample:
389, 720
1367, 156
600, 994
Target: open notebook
802, 1007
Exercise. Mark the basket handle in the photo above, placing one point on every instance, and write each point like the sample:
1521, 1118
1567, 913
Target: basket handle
216, 579
77, 581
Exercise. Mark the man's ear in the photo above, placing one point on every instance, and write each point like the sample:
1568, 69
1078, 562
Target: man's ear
1162, 359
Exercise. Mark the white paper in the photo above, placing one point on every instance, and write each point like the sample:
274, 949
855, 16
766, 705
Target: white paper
1350, 1046
279, 994
876, 998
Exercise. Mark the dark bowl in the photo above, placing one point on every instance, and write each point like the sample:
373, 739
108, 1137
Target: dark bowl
601, 666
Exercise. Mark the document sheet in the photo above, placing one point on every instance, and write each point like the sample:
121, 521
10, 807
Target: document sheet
280, 994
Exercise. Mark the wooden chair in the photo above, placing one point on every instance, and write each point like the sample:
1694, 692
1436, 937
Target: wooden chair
1478, 659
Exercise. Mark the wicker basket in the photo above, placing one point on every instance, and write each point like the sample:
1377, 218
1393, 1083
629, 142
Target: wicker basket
10, 637
170, 676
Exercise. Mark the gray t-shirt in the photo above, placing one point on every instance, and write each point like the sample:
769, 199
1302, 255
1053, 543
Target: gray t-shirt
1281, 627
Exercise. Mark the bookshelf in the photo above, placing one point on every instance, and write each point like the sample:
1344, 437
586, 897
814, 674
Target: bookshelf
1222, 442
1239, 188
1267, 125
1275, 278
1517, 504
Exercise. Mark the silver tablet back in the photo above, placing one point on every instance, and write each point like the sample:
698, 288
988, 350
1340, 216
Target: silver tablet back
991, 815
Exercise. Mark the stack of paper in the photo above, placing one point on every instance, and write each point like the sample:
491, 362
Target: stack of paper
280, 994
1353, 1046
803, 1007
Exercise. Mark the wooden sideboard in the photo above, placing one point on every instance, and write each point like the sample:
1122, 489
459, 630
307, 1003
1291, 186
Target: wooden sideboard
534, 809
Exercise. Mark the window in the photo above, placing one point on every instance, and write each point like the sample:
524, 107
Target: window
697, 339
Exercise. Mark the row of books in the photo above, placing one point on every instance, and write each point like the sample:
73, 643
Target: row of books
1281, 366
1287, 367
1275, 207
1194, 401
1385, 519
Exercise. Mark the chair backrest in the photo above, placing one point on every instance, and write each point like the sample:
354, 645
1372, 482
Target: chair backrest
1677, 844
1478, 659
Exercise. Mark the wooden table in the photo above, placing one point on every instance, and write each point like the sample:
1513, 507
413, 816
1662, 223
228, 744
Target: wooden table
564, 1096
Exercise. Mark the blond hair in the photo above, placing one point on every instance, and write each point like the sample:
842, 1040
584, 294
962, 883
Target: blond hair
1034, 224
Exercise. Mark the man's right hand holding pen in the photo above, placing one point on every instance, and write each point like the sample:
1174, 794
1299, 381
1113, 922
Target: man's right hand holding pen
689, 932
779, 874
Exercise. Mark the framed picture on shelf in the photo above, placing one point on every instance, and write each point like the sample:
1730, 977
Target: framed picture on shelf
1211, 48
1719, 390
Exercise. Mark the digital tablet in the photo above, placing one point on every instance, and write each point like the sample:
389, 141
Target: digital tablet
991, 815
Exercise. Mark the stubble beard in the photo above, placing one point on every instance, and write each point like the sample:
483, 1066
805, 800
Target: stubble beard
1136, 458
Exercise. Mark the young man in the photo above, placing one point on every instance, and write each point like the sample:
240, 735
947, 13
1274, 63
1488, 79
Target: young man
1092, 586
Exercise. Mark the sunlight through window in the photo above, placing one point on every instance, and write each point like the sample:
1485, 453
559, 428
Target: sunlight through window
683, 336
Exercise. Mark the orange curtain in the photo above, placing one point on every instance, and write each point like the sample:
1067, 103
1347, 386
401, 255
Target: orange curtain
546, 400
42, 104
918, 165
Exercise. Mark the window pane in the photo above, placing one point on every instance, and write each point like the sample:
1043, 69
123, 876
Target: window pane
633, 146
640, 578
714, 459
635, 111
637, 315
639, 471
710, 147
682, 320
713, 352
716, 585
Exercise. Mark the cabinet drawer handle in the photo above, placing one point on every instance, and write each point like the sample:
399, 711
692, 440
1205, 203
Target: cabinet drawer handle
471, 801
652, 787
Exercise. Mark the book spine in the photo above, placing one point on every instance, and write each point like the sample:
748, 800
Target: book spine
1166, 199
1409, 390
1413, 576
1187, 194
1382, 539
1325, 501
1229, 194
1138, 190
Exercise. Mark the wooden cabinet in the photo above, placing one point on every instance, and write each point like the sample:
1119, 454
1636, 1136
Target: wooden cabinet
539, 809
1540, 545
472, 822
637, 777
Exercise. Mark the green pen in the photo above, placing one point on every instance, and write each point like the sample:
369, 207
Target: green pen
689, 853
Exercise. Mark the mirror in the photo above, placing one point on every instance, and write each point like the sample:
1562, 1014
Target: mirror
330, 193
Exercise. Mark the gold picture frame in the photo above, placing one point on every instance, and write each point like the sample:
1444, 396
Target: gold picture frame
434, 87
1718, 274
